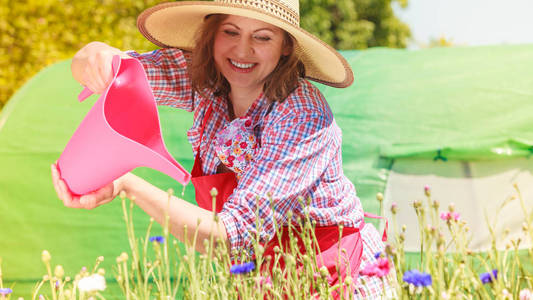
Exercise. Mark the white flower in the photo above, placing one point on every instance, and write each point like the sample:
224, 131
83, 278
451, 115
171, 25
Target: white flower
95, 282
506, 295
525, 294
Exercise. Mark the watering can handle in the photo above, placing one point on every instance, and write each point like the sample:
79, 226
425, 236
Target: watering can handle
86, 92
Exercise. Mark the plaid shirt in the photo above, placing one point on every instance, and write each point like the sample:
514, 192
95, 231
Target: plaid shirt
299, 156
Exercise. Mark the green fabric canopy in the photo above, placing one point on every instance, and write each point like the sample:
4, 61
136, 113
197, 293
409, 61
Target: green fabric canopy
451, 103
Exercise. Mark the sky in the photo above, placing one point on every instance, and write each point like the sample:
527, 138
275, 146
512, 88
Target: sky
469, 22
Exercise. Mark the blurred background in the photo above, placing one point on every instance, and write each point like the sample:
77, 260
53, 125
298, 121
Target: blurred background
467, 22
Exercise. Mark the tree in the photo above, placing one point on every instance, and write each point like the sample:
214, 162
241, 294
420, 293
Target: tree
37, 33
355, 24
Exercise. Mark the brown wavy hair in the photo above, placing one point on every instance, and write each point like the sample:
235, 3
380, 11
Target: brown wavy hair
205, 75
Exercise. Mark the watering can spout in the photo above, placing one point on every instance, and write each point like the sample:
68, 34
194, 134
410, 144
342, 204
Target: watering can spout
120, 132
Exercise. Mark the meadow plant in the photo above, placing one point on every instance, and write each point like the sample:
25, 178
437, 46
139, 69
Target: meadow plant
160, 267
448, 269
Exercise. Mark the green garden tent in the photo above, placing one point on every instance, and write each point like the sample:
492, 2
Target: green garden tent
412, 116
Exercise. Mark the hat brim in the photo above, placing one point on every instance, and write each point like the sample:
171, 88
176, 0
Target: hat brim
176, 24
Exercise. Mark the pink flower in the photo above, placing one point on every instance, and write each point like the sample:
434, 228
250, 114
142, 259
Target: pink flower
456, 215
447, 216
261, 281
525, 294
427, 190
379, 268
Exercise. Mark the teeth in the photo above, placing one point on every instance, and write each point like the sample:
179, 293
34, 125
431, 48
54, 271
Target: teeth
242, 66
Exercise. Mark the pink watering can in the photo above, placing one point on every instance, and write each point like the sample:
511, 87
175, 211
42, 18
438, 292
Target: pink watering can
120, 132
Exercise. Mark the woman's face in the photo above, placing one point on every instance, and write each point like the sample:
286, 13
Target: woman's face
246, 51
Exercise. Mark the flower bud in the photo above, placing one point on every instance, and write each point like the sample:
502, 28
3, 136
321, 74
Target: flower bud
390, 250
59, 272
402, 237
46, 257
324, 272
260, 250
214, 192
348, 280
451, 207
124, 256
289, 259
417, 204
379, 197
525, 294
436, 204
394, 208
427, 190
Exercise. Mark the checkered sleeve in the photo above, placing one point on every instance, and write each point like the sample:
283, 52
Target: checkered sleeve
167, 74
291, 160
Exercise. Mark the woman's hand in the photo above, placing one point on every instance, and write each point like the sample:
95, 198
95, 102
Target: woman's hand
91, 66
87, 201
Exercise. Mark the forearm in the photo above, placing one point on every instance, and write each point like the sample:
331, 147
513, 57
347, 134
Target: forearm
155, 202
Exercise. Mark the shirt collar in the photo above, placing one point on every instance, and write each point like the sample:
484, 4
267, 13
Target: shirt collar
255, 112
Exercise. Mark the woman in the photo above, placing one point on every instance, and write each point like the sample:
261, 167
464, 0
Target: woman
262, 134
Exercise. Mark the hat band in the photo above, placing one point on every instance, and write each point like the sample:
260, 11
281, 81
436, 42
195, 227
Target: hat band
272, 7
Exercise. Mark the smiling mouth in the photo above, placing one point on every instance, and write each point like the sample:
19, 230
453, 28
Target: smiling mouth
242, 66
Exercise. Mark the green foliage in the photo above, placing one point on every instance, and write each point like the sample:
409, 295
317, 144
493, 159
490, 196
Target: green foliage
355, 24
37, 33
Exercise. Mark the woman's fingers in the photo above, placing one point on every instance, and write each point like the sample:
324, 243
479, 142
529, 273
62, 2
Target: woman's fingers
106, 71
98, 72
62, 191
87, 201
55, 177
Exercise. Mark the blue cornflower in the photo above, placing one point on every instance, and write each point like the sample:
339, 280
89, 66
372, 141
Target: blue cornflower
243, 268
489, 276
5, 291
158, 239
376, 256
417, 278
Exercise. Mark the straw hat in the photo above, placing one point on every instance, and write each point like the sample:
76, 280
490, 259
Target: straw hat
175, 25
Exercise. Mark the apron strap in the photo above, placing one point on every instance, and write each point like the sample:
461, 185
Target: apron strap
204, 121
373, 216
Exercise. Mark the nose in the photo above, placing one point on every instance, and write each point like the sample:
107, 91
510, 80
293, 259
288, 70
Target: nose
244, 47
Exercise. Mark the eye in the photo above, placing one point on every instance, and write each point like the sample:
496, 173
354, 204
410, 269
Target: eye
231, 32
263, 38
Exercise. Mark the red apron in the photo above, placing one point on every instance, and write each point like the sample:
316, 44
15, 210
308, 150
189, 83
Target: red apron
327, 236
